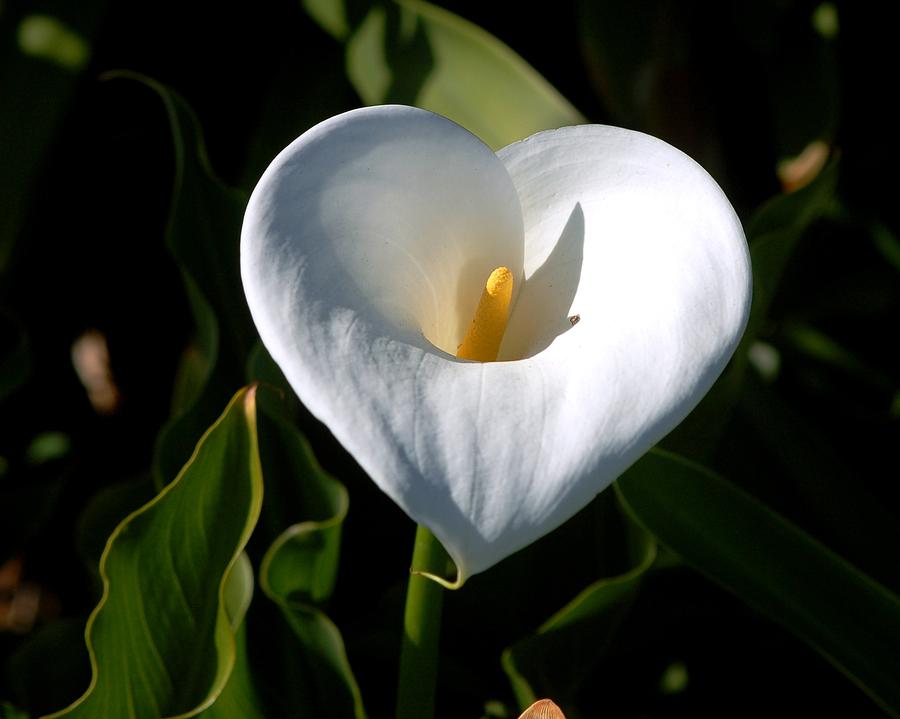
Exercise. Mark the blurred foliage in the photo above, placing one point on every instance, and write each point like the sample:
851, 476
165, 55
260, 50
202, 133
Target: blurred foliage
116, 225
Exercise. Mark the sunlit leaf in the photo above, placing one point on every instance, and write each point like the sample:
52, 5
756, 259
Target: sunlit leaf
564, 650
162, 638
414, 53
773, 566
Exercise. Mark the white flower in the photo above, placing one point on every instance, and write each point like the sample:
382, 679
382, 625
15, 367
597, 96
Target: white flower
365, 249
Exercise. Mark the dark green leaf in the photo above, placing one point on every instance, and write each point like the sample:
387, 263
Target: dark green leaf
50, 668
104, 513
886, 243
773, 232
302, 563
203, 236
162, 638
204, 228
238, 697
811, 469
8, 711
773, 566
562, 653
322, 682
299, 570
49, 49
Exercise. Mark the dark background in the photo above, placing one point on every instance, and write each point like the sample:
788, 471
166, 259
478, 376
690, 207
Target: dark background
87, 180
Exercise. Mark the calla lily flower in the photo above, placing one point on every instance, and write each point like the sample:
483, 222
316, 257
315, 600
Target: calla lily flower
365, 250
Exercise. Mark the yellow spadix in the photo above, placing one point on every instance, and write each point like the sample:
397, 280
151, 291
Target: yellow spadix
482, 341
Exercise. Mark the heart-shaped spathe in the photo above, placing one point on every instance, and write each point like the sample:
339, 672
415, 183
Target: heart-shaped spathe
365, 248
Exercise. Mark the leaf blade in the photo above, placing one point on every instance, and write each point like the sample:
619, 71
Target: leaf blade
555, 660
299, 570
166, 570
773, 566
416, 53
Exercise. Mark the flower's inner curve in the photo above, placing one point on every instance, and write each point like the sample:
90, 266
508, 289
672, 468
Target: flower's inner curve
482, 341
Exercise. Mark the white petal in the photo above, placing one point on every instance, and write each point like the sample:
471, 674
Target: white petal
637, 241
381, 225
390, 211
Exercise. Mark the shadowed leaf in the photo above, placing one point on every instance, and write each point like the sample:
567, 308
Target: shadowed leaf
563, 651
773, 566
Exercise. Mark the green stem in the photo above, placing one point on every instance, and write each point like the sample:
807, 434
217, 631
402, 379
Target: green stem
421, 630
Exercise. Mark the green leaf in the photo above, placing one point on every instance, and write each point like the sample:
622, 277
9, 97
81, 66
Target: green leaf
299, 570
773, 566
238, 697
321, 680
204, 227
415, 53
302, 563
162, 638
775, 230
103, 514
203, 235
886, 243
809, 468
562, 653
8, 711
51, 667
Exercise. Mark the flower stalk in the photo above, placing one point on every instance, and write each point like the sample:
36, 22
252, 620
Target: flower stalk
421, 629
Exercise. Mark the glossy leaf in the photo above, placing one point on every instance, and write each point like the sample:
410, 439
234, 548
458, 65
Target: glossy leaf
162, 638
773, 566
414, 53
299, 570
563, 651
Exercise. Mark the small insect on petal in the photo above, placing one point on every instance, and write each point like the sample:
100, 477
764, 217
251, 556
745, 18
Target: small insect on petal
543, 709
